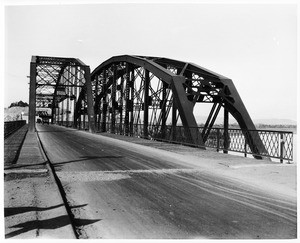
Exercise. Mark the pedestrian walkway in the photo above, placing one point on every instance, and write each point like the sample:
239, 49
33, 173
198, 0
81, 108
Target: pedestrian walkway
13, 144
33, 205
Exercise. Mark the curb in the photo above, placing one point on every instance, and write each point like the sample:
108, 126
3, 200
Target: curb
59, 188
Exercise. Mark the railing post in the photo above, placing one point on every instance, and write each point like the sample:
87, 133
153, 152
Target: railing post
281, 147
226, 135
245, 149
218, 139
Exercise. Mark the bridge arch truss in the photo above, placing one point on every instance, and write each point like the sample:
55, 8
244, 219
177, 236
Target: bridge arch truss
150, 96
137, 96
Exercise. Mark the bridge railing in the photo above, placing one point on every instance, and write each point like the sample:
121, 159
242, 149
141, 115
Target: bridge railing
278, 144
11, 126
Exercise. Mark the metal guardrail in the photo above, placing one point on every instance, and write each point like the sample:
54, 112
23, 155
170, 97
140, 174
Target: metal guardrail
278, 144
11, 126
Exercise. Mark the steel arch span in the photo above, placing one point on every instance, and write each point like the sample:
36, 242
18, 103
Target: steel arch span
139, 95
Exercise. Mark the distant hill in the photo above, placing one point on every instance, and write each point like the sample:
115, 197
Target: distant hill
219, 120
275, 121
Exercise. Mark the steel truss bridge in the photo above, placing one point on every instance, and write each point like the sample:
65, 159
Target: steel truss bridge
150, 97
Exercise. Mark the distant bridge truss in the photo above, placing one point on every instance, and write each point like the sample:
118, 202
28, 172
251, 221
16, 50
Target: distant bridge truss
137, 96
56, 84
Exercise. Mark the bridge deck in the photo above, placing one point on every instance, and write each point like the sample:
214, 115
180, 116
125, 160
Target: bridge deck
279, 178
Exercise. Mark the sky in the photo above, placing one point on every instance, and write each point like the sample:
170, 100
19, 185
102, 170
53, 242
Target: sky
255, 45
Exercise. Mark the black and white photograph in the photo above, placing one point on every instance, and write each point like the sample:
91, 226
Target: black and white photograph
149, 120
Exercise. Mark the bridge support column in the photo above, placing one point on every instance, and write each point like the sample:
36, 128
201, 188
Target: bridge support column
90, 103
146, 102
132, 80
97, 109
127, 100
32, 98
120, 108
174, 119
163, 110
62, 112
104, 105
113, 99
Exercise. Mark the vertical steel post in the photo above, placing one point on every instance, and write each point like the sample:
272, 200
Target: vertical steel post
245, 148
53, 113
75, 108
127, 99
146, 102
63, 102
281, 147
174, 119
121, 130
98, 111
57, 114
113, 99
68, 98
131, 101
226, 135
218, 139
32, 97
163, 109
104, 104
84, 119
90, 103
62, 112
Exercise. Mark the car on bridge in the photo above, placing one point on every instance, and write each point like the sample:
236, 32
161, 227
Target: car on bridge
45, 121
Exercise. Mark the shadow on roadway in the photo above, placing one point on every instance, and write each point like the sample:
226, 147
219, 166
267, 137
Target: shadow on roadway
17, 210
53, 223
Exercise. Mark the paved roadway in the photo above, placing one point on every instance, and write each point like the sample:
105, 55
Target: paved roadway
116, 191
